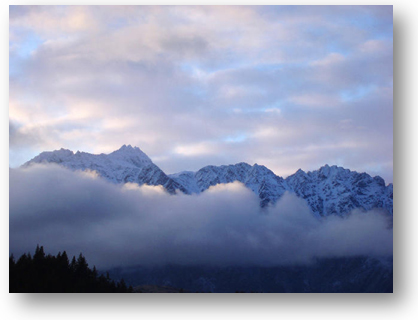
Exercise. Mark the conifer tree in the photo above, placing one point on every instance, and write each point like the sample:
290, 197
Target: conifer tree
56, 274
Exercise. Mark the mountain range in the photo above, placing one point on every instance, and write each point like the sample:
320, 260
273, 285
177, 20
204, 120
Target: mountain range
330, 190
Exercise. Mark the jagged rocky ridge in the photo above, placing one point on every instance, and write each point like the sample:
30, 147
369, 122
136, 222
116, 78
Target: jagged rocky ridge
331, 190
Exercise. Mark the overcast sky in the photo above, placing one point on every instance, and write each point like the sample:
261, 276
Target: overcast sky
286, 87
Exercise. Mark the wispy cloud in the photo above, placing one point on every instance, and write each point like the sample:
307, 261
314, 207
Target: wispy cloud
170, 77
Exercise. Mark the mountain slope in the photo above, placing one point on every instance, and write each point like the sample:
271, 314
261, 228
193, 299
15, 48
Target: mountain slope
335, 190
127, 164
328, 191
331, 190
259, 179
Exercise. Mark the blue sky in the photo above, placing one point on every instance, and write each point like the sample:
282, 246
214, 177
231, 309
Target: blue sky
285, 86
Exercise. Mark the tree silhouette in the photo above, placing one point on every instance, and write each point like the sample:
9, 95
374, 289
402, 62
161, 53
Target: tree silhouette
47, 273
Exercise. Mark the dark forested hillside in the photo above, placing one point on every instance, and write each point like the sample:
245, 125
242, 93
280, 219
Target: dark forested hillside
350, 274
47, 273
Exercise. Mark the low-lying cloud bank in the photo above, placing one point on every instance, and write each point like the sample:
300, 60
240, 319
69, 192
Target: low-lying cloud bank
115, 225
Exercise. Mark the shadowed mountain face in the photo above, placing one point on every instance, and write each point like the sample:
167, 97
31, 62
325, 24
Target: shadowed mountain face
331, 190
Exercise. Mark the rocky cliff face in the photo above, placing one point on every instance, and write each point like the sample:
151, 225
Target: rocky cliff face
335, 190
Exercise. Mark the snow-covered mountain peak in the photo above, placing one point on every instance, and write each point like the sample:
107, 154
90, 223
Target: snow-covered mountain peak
130, 154
330, 190
336, 190
128, 164
56, 156
127, 149
260, 168
328, 170
325, 170
59, 153
258, 178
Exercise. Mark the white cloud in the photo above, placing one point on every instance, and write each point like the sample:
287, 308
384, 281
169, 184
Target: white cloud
170, 79
202, 148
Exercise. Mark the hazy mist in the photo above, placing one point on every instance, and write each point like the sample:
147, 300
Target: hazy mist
114, 225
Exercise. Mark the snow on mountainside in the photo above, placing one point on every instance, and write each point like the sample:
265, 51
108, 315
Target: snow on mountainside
127, 164
328, 191
335, 190
259, 179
